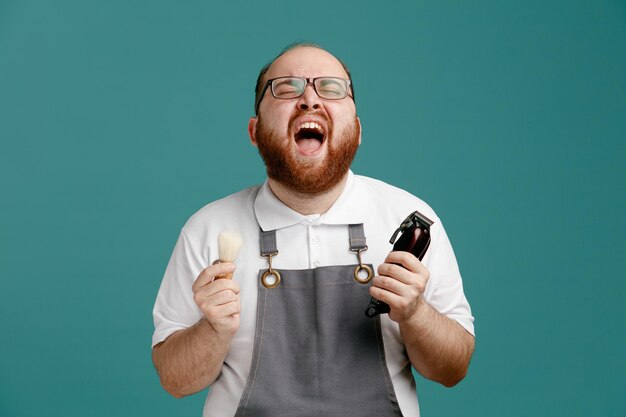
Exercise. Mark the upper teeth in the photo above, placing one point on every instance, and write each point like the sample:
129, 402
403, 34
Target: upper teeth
310, 125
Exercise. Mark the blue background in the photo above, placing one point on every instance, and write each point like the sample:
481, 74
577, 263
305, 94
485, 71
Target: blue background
119, 119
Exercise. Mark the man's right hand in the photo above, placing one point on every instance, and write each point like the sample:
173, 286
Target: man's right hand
189, 360
218, 299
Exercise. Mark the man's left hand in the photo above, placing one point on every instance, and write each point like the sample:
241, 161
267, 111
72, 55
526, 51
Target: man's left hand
400, 282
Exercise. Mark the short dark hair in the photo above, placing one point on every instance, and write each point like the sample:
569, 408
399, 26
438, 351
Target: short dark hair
260, 83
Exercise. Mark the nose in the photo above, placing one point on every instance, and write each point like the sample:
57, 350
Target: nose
310, 99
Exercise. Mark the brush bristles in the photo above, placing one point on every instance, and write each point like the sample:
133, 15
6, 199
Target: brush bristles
229, 244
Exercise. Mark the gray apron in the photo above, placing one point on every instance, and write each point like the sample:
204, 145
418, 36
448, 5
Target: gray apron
315, 353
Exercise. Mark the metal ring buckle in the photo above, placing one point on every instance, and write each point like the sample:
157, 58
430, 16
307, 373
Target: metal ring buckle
362, 267
268, 284
269, 272
365, 268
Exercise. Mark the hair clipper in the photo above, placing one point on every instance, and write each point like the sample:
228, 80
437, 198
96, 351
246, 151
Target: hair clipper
415, 239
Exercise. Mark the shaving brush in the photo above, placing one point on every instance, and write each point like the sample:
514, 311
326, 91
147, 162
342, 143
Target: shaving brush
228, 245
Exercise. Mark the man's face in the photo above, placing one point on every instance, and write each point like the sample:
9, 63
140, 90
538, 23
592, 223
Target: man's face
307, 143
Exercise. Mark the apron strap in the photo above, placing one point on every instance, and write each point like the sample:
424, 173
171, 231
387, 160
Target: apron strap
268, 243
357, 237
362, 273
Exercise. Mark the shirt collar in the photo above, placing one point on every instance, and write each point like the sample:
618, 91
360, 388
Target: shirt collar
349, 208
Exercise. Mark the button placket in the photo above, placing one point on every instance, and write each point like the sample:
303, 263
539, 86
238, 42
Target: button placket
313, 247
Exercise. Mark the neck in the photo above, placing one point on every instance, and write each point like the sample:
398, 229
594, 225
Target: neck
307, 203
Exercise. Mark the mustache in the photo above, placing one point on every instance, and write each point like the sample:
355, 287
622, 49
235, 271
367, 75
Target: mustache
315, 113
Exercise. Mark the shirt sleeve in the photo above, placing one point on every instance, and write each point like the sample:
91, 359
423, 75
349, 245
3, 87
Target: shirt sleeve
174, 308
444, 290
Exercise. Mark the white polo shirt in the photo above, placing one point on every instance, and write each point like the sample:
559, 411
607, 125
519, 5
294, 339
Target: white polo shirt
303, 242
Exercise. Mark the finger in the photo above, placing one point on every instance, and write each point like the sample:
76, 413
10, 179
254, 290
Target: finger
219, 298
222, 276
231, 309
392, 299
217, 286
224, 310
407, 260
209, 273
399, 273
392, 285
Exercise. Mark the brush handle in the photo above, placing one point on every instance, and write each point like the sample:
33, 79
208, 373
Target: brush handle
228, 275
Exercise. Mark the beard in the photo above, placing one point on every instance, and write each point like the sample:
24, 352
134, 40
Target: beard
308, 177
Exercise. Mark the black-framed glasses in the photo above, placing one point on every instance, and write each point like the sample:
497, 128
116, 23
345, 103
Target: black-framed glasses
286, 88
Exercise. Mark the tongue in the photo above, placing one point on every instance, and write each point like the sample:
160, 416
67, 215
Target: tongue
309, 145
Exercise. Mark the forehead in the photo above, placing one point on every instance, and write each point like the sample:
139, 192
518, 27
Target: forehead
306, 62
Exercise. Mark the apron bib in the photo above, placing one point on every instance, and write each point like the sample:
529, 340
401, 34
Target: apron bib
315, 353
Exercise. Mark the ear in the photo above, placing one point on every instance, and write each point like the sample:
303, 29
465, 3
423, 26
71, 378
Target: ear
358, 122
252, 130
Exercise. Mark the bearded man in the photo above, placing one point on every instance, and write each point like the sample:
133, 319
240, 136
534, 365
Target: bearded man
299, 344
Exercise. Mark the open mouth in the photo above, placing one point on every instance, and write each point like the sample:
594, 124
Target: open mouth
309, 137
